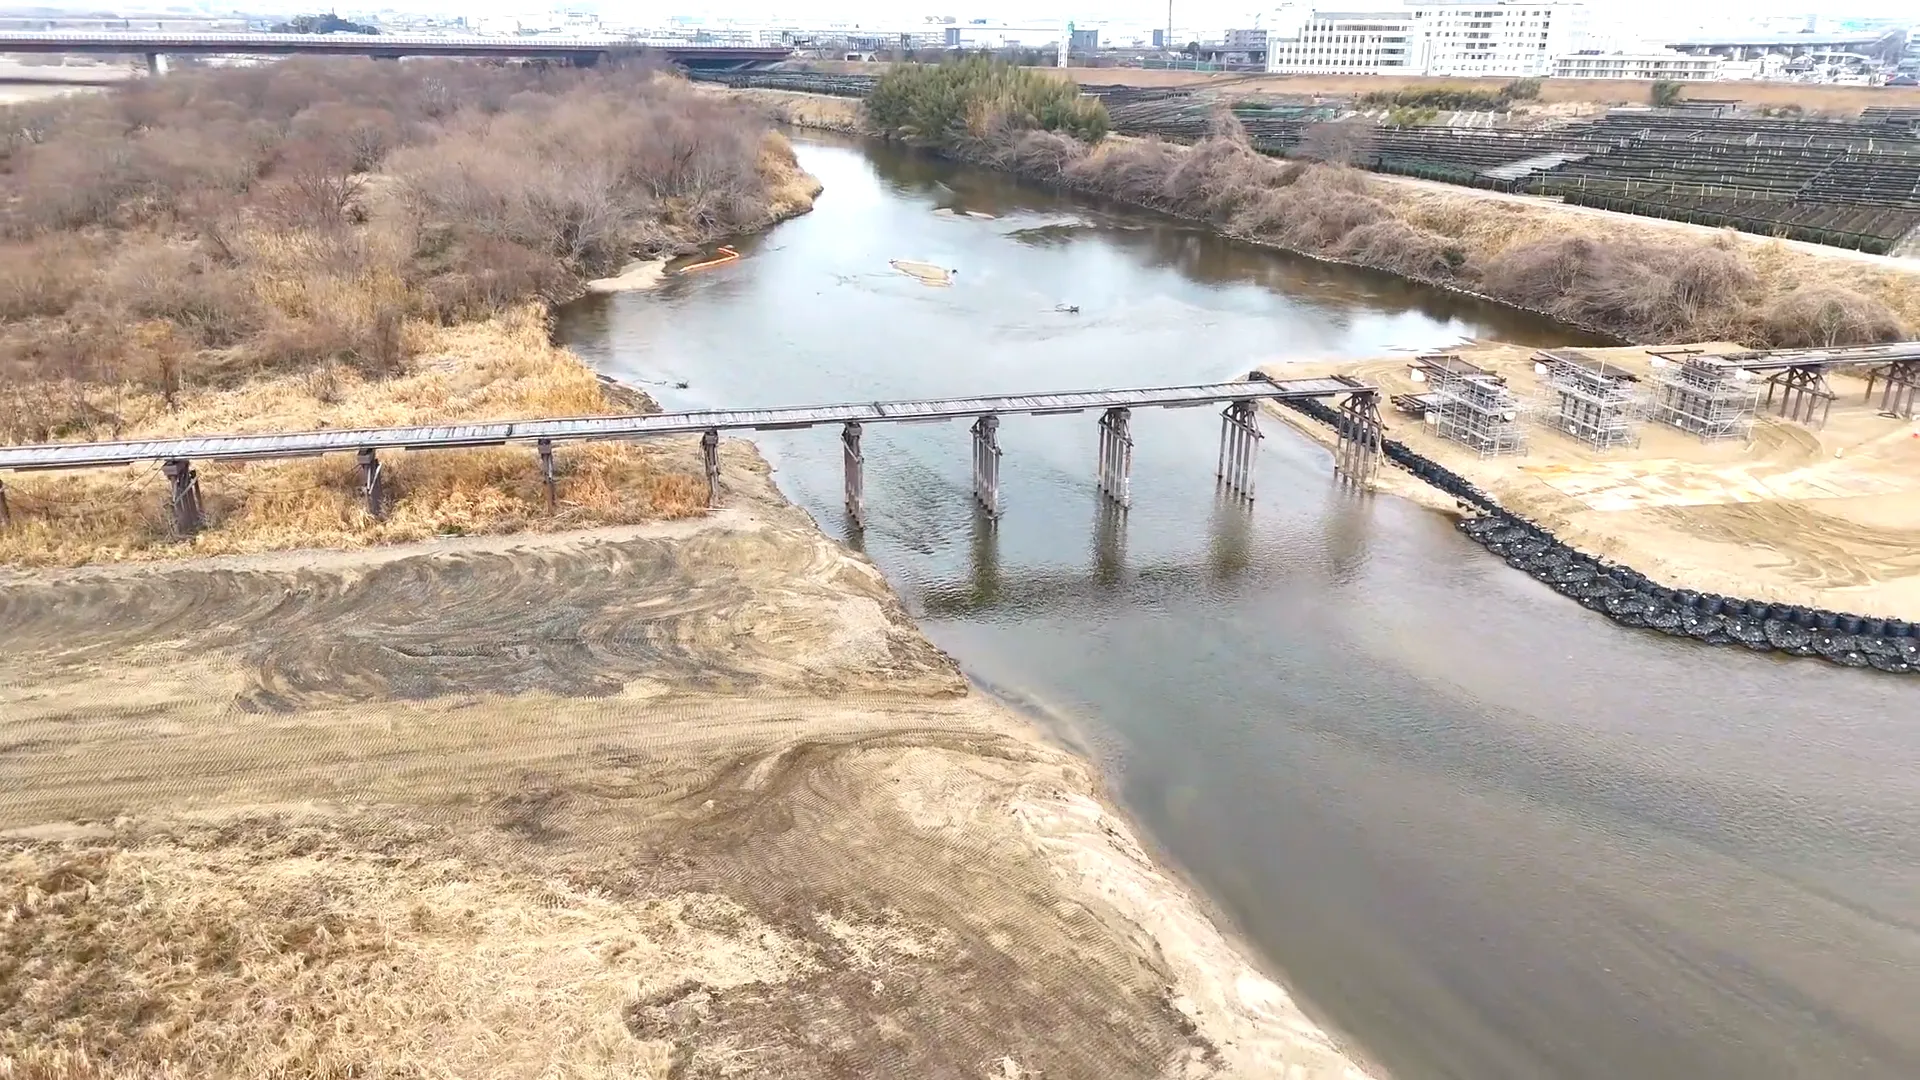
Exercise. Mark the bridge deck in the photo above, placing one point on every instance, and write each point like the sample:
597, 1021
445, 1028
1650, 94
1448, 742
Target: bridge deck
1835, 357
382, 44
447, 436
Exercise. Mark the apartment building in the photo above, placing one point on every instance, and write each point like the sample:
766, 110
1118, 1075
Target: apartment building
1666, 66
1513, 40
1489, 38
1344, 43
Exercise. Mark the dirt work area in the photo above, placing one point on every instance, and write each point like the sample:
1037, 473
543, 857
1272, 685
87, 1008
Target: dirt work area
1826, 518
684, 799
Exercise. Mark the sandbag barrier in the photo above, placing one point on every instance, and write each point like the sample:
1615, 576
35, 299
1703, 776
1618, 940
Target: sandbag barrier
1627, 597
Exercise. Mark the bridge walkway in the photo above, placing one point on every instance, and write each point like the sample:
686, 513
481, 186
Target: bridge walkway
1240, 434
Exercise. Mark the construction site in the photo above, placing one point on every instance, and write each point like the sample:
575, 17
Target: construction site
1787, 476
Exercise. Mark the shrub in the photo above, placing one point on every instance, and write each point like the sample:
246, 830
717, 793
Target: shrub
1664, 94
958, 105
1815, 316
225, 221
1395, 245
1339, 142
43, 278
1521, 90
1643, 291
1437, 99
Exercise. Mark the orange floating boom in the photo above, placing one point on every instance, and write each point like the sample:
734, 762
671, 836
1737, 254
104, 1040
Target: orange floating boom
727, 255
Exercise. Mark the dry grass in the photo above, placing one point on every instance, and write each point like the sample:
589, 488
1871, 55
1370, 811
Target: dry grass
1643, 282
801, 110
1813, 98
272, 948
344, 245
501, 369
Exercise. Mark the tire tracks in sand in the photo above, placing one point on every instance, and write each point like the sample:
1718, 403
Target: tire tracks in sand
701, 792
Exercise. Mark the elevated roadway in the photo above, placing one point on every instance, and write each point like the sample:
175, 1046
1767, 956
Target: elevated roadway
581, 51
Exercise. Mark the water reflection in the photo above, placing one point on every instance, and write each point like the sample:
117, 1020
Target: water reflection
1109, 542
1487, 833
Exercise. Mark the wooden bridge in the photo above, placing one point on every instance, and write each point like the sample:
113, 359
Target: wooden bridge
1356, 456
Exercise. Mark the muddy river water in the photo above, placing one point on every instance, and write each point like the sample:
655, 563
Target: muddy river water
1480, 831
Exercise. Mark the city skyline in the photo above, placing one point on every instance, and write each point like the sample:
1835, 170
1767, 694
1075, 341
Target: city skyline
1208, 15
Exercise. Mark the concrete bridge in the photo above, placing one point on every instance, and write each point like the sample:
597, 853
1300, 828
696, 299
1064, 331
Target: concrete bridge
1356, 454
156, 45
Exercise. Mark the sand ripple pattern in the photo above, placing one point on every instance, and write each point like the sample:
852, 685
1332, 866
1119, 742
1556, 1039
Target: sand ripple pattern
725, 611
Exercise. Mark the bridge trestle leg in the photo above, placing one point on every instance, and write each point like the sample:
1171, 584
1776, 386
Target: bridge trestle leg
547, 478
372, 484
1803, 393
710, 454
1116, 455
856, 479
1239, 447
1897, 396
1357, 447
986, 464
183, 484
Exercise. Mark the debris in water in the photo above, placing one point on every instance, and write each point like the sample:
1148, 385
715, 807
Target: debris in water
723, 255
927, 273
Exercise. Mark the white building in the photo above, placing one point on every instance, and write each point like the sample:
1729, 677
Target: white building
1344, 43
1488, 38
1666, 66
1511, 39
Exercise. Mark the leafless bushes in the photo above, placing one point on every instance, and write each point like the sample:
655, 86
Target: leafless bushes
589, 180
1338, 142
1643, 289
301, 214
1823, 315
1215, 180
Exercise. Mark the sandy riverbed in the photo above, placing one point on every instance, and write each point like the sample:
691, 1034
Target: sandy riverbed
1826, 517
693, 799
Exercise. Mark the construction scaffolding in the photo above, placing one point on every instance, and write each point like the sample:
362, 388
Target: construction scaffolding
1473, 406
1590, 399
1704, 395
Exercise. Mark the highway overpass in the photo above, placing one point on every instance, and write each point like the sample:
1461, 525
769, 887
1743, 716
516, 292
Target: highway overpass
581, 51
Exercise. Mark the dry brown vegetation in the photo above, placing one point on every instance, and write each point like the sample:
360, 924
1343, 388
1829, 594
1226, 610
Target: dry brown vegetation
1643, 282
1811, 97
273, 248
1642, 285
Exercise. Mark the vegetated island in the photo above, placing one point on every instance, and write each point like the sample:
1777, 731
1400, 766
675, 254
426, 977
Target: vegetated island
683, 795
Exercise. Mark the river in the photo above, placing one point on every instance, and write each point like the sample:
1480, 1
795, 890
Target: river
1480, 831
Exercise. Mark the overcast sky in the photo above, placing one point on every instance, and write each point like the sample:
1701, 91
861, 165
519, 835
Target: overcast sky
1194, 12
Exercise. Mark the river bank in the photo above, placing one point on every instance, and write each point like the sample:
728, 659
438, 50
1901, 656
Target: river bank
819, 852
1638, 280
1485, 833
1824, 518
714, 803
501, 366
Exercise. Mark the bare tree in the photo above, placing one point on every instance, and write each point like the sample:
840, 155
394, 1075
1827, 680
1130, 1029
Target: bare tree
1337, 142
317, 185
